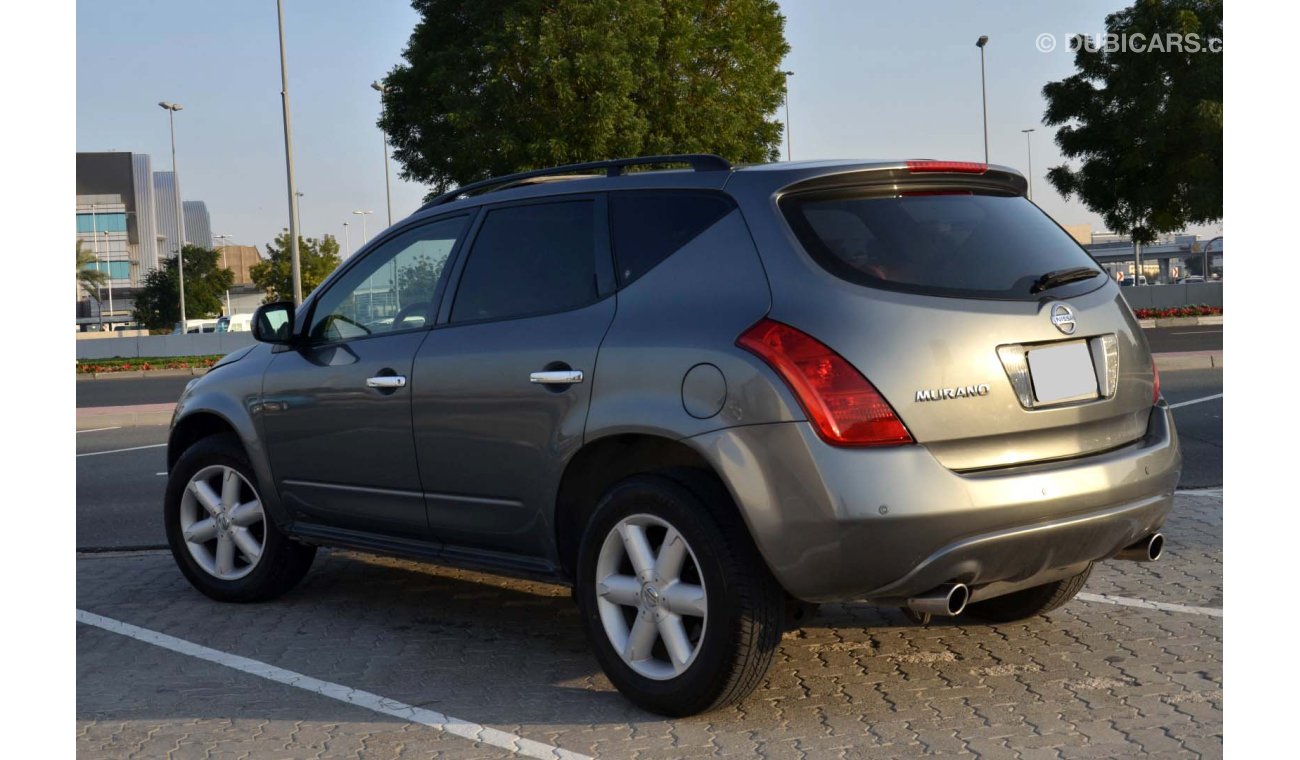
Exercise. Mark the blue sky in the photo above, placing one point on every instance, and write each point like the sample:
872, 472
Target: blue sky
872, 79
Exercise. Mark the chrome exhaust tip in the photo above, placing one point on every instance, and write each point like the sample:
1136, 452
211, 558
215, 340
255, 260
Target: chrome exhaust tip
947, 600
1148, 549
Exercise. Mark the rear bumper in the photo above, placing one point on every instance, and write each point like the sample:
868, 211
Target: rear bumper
886, 524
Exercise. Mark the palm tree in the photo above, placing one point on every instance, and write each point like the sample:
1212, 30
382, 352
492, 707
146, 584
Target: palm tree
89, 277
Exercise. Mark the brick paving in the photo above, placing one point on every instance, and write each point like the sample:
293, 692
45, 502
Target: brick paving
1092, 680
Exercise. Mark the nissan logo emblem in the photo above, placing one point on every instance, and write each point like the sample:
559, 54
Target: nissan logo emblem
1063, 318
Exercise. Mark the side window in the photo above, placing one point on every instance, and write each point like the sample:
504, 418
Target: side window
649, 226
392, 289
534, 259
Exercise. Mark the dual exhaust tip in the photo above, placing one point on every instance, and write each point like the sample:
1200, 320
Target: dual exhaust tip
950, 599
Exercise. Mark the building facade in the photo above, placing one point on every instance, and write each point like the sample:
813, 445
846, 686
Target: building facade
198, 226
115, 222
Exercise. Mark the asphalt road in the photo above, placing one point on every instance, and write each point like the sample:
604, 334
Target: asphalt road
1190, 338
130, 391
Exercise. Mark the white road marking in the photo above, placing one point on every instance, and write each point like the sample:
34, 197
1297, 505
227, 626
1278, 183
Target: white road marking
1164, 606
119, 451
1196, 332
100, 430
346, 694
1195, 401
1216, 492
160, 473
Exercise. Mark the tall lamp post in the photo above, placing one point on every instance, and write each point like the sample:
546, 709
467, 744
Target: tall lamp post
1029, 151
788, 147
1205, 254
171, 109
984, 95
108, 257
388, 191
363, 214
347, 242
294, 261
225, 239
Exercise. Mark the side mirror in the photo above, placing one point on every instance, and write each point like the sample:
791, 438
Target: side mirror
273, 323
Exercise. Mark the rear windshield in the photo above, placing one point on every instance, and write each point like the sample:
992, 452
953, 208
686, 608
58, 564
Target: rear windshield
945, 244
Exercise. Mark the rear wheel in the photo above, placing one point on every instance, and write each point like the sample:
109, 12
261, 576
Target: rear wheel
682, 612
220, 535
1029, 602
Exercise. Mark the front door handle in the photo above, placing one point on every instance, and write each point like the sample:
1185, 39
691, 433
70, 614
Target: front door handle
386, 381
557, 377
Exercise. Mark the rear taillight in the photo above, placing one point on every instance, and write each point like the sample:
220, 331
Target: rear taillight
1155, 373
843, 406
960, 167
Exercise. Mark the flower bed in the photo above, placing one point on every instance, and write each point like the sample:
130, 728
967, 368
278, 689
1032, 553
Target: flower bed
99, 366
1200, 310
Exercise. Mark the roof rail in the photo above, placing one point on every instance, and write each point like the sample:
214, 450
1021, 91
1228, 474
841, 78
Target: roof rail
700, 162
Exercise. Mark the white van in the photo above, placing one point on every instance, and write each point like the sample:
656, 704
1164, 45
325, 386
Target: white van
235, 323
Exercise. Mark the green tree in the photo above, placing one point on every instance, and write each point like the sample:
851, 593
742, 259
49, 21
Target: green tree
89, 278
1145, 128
206, 283
274, 275
491, 87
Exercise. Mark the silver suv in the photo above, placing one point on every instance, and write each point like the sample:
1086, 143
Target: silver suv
707, 397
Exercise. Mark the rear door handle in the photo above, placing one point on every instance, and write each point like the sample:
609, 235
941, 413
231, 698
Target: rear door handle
386, 381
557, 377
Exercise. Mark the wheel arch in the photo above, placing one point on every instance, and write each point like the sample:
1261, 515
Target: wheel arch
601, 463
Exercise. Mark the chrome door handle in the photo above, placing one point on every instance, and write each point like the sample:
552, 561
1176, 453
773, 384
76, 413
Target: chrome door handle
557, 377
386, 381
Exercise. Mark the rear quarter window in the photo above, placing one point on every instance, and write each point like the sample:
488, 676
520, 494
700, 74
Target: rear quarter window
948, 244
651, 225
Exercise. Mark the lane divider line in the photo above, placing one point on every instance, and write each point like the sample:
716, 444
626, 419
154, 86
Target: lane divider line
1196, 401
119, 451
375, 703
1128, 601
100, 430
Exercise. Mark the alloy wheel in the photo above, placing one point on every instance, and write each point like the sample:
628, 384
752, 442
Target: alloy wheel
222, 521
651, 596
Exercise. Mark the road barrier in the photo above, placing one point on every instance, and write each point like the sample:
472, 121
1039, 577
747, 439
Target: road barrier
191, 344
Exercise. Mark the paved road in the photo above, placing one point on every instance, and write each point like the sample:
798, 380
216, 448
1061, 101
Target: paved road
1094, 680
1200, 424
130, 391
1190, 338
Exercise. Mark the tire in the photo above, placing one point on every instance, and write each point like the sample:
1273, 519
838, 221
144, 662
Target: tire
704, 661
1029, 602
238, 521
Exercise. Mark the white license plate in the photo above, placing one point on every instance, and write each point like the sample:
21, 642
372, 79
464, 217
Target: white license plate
1062, 373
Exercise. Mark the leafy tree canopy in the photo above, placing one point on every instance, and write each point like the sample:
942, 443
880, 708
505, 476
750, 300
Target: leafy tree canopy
317, 257
1145, 128
206, 283
491, 87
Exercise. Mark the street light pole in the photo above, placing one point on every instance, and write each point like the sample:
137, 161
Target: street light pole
388, 191
347, 242
984, 94
171, 109
363, 214
108, 255
788, 140
294, 262
224, 244
1029, 150
94, 243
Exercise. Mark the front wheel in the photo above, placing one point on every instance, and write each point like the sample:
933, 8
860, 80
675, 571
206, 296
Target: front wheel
682, 612
220, 535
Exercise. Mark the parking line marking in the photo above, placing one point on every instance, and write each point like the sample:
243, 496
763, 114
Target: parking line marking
1163, 606
1195, 401
119, 451
100, 430
346, 694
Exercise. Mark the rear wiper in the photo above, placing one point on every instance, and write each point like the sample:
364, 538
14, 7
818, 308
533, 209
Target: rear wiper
1061, 277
